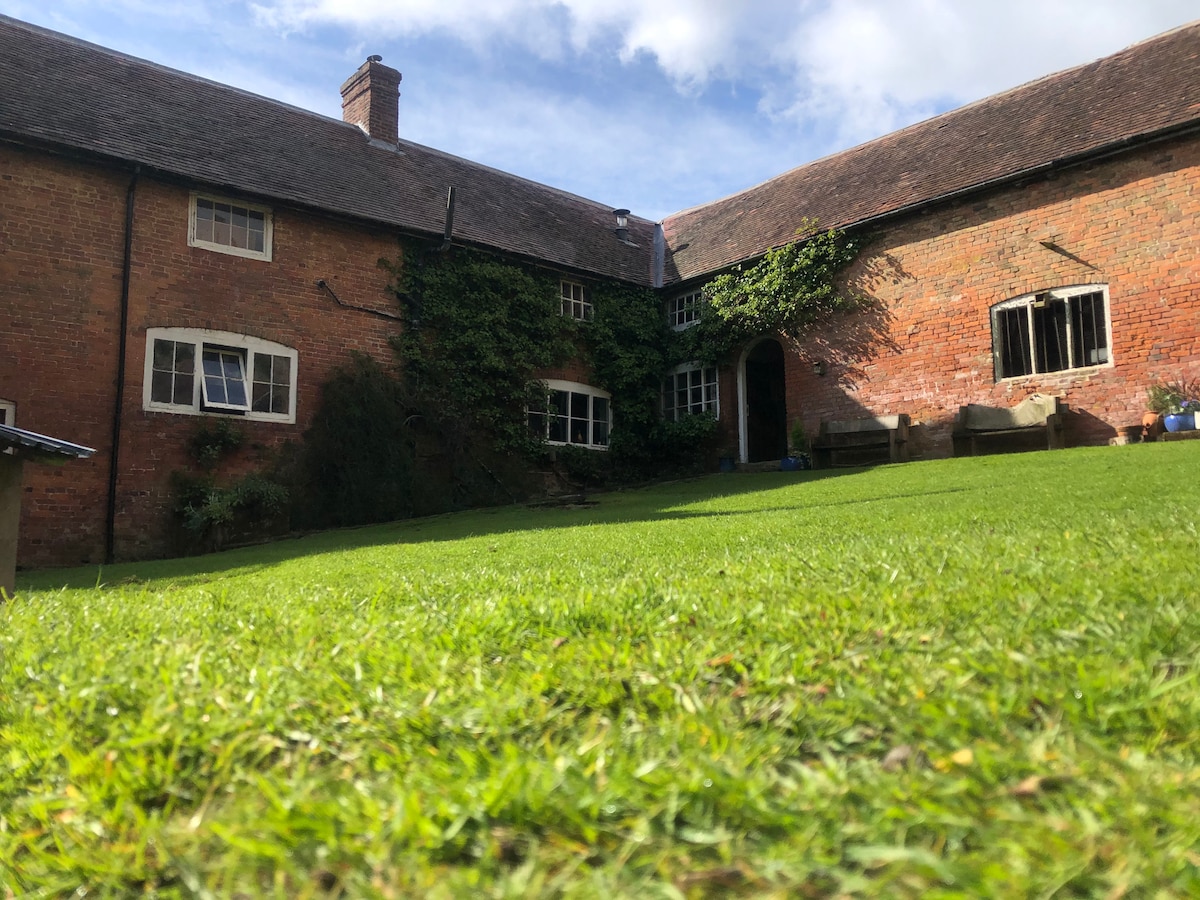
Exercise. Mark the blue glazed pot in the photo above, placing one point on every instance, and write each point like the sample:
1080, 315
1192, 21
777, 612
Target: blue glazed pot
789, 464
727, 464
1180, 422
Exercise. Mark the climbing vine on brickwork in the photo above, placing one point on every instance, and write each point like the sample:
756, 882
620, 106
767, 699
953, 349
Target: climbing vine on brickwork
786, 292
476, 329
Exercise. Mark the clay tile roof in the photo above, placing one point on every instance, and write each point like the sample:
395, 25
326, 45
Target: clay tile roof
57, 91
1147, 90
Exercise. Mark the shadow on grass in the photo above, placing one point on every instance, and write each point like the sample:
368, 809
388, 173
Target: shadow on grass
672, 501
659, 502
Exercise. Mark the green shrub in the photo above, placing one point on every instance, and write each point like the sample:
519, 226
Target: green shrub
357, 460
212, 516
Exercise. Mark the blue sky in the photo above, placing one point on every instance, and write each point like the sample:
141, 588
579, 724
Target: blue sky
655, 105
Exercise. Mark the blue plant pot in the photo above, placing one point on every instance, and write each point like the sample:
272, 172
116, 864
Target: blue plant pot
727, 464
1180, 422
795, 463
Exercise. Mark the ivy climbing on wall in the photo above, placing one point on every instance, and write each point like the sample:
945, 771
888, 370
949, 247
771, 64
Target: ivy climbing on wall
479, 329
787, 292
476, 330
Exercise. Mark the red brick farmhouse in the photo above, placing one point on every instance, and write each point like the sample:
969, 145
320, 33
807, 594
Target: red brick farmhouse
1043, 240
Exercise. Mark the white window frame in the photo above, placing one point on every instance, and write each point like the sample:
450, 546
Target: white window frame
683, 310
8, 413
574, 389
245, 252
229, 344
704, 379
1007, 328
575, 304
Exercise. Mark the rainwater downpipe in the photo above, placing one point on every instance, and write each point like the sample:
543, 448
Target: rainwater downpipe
110, 523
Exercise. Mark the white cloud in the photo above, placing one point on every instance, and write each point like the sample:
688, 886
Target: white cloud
878, 62
744, 90
651, 104
884, 64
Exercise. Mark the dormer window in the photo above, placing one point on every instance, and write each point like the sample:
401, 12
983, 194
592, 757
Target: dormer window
227, 226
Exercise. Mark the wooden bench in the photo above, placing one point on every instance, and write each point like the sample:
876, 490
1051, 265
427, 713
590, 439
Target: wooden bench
861, 441
1035, 423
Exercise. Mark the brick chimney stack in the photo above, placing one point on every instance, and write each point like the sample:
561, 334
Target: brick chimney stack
371, 100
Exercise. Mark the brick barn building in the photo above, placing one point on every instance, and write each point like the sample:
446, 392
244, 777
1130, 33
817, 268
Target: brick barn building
154, 224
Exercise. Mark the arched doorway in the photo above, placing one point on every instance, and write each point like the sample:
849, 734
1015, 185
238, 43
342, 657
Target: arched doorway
764, 406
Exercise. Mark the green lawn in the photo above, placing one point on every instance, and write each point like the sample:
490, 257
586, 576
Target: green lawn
941, 679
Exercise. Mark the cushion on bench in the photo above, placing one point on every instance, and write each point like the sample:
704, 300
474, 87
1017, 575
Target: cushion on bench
1034, 410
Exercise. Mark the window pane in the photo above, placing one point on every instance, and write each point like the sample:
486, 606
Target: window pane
236, 389
579, 406
261, 396
1050, 335
204, 219
161, 384
281, 398
537, 425
272, 383
1088, 330
171, 372
185, 358
262, 367
1012, 326
558, 420
224, 379
184, 389
164, 356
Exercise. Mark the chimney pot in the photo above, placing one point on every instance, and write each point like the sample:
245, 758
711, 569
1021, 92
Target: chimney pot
371, 100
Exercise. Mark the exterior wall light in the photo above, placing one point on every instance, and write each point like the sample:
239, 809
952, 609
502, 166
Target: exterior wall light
819, 367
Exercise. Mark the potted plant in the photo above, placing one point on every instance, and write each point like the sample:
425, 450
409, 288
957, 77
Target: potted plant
727, 459
798, 456
1176, 401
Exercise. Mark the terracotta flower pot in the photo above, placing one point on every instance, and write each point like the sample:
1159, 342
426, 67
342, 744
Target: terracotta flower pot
1151, 426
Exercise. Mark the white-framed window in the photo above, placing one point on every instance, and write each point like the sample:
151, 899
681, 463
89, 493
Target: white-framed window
684, 310
574, 302
690, 389
194, 370
229, 226
8, 413
577, 414
1051, 331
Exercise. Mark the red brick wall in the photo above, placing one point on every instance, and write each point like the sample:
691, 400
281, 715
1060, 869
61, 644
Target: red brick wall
62, 229
926, 348
60, 278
